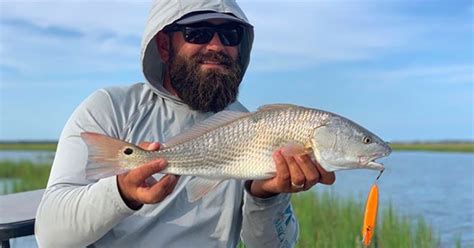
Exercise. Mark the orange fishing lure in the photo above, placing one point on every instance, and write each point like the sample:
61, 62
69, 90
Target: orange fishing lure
370, 216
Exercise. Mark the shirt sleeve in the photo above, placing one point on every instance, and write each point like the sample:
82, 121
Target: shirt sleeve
269, 222
74, 211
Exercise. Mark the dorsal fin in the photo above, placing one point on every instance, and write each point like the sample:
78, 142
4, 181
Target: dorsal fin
276, 106
220, 119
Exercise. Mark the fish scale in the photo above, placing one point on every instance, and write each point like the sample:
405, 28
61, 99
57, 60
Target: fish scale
244, 148
240, 145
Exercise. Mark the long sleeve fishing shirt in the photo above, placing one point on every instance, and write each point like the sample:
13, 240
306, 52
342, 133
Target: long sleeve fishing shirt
76, 212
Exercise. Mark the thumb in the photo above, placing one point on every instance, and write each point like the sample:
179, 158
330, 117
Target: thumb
150, 146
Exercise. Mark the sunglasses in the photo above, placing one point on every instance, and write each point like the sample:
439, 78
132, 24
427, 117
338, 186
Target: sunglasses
230, 34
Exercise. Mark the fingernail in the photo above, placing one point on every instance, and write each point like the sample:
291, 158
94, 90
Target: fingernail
277, 154
162, 163
158, 165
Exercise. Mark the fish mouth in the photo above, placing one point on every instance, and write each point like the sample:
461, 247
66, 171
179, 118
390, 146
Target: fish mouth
376, 166
370, 162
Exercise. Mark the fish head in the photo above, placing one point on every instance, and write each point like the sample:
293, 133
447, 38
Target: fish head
341, 144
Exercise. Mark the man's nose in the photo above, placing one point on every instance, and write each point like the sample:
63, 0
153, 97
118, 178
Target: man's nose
215, 44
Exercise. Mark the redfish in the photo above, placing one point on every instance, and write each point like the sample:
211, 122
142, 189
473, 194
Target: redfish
239, 145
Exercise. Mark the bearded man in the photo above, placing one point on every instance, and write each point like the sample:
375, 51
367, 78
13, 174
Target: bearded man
194, 56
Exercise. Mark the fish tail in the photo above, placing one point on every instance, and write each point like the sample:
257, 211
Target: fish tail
105, 155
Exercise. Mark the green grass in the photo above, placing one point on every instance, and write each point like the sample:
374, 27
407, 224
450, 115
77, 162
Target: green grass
326, 220
395, 231
439, 147
28, 146
23, 176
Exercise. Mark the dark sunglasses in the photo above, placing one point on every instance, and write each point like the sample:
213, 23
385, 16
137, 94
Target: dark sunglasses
202, 33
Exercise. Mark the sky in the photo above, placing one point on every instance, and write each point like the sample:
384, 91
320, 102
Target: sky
401, 68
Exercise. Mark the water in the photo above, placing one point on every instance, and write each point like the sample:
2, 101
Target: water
36, 156
437, 186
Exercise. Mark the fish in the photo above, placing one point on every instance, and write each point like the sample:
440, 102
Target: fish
239, 145
370, 215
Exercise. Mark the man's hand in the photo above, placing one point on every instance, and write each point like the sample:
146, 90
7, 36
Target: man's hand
138, 187
294, 174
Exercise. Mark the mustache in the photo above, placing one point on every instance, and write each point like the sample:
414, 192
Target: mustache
220, 57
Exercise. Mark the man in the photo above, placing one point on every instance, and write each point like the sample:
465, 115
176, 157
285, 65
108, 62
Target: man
194, 55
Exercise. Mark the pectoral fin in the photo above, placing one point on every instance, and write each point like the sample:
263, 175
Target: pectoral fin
198, 187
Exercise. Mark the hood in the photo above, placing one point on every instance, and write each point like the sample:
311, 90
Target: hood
165, 12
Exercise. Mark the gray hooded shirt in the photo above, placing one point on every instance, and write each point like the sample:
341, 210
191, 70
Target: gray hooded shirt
76, 212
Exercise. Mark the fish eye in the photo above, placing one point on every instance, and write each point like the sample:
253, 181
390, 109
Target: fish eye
367, 140
128, 151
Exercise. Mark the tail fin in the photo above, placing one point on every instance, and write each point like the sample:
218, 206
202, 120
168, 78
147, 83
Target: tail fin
104, 155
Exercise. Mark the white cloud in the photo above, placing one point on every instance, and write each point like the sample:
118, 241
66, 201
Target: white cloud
40, 54
120, 17
35, 36
307, 33
353, 41
290, 35
319, 32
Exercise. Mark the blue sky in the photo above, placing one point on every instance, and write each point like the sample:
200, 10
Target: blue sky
403, 69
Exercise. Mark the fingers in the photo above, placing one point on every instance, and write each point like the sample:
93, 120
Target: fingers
290, 174
283, 176
173, 184
140, 174
296, 170
297, 176
148, 191
304, 173
158, 191
327, 178
138, 187
309, 170
150, 182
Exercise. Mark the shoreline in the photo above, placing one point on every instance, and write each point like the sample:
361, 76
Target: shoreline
436, 147
463, 147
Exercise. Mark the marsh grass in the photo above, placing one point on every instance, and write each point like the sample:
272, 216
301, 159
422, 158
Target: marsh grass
396, 231
327, 220
438, 147
19, 176
28, 146
415, 146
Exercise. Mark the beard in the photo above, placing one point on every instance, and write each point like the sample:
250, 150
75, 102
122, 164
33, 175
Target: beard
205, 90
